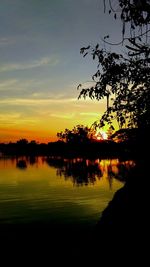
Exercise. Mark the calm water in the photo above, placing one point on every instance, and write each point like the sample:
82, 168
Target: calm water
58, 191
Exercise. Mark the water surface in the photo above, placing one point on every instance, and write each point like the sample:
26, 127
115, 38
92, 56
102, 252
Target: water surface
57, 191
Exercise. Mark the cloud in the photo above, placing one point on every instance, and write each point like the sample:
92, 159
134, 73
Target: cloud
8, 84
17, 118
26, 101
29, 65
89, 114
9, 119
6, 41
16, 84
63, 116
9, 116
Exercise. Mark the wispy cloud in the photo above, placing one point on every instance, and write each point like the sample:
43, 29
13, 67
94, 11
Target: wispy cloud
29, 65
26, 101
62, 116
6, 41
8, 84
18, 84
9, 119
16, 118
89, 114
10, 116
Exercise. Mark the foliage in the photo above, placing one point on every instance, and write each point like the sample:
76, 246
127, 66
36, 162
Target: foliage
137, 12
22, 142
124, 79
79, 134
124, 135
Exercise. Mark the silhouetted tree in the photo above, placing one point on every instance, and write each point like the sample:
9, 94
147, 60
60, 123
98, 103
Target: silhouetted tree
33, 142
125, 135
79, 134
22, 142
124, 78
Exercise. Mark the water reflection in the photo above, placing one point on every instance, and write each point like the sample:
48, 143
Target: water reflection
41, 188
43, 195
21, 164
84, 171
80, 171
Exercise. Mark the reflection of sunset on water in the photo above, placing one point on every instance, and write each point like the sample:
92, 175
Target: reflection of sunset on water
41, 188
99, 172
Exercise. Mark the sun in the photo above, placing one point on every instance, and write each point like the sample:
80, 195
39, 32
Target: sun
101, 135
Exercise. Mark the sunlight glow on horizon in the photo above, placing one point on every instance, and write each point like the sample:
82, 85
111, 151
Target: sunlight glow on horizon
42, 119
101, 135
41, 66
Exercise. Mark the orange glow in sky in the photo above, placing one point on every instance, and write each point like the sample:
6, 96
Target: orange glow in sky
41, 120
41, 66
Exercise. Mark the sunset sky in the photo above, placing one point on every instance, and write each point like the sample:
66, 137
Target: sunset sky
41, 65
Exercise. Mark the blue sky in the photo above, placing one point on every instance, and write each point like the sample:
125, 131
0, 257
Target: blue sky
41, 65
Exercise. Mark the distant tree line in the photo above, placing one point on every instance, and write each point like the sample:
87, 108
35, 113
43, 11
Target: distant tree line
77, 143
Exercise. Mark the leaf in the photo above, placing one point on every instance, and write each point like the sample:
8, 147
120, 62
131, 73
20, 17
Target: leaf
123, 29
82, 49
93, 56
97, 46
105, 37
85, 54
132, 27
79, 86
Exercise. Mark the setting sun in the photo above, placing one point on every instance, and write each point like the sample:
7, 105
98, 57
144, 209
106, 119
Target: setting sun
101, 135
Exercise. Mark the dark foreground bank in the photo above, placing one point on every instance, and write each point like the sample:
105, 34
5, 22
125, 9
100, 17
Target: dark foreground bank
60, 245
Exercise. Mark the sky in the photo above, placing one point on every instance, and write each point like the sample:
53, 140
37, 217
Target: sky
41, 65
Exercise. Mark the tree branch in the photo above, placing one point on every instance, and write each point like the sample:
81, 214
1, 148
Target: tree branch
127, 38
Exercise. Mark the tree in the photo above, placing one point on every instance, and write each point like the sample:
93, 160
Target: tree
79, 134
22, 142
124, 78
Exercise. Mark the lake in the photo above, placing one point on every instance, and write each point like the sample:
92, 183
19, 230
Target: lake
57, 191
